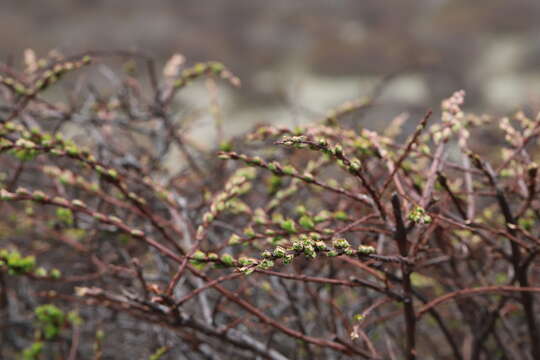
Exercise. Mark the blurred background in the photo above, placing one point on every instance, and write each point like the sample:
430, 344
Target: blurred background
297, 59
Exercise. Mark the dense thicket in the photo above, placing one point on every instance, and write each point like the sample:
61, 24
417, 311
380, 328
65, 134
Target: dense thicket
325, 241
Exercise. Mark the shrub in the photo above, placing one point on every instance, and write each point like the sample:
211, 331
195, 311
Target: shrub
315, 242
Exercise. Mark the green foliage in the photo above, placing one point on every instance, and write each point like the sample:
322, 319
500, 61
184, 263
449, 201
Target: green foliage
158, 354
33, 351
55, 273
340, 243
15, 263
50, 320
27, 154
288, 225
65, 216
306, 222
227, 260
74, 319
418, 215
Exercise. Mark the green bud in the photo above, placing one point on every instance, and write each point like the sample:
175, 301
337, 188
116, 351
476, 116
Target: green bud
20, 89
419, 216
199, 68
40, 272
338, 150
289, 170
306, 240
245, 261
322, 142
6, 195
78, 203
249, 232
266, 264
277, 217
26, 144
10, 126
306, 222
322, 216
208, 217
22, 191
256, 161
39, 195
216, 67
225, 146
200, 232
301, 210
279, 252
199, 256
309, 251
64, 215
247, 172
274, 166
341, 243
234, 239
247, 270
356, 165
112, 173
288, 259
136, 233
227, 260
55, 274
341, 215
298, 246
115, 220
259, 216
366, 250
288, 225
308, 177
72, 150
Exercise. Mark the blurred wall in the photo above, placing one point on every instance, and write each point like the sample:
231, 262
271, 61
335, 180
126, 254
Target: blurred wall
311, 53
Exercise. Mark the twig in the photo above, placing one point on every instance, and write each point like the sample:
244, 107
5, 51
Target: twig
400, 236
